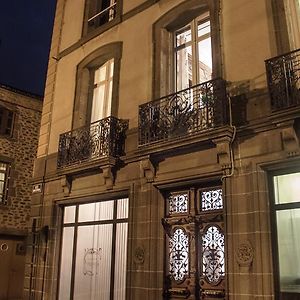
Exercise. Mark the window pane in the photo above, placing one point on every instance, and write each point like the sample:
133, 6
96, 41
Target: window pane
213, 257
178, 203
184, 71
93, 262
3, 167
120, 262
211, 199
100, 74
205, 60
203, 28
98, 103
122, 211
96, 211
179, 254
66, 263
287, 188
69, 214
183, 36
288, 224
111, 68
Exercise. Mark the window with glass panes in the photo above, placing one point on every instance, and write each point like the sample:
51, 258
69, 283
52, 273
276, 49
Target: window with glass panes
286, 223
102, 91
4, 178
94, 251
101, 12
193, 54
195, 243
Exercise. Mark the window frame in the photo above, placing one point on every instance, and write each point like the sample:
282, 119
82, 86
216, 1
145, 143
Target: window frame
85, 80
76, 224
273, 222
103, 27
163, 37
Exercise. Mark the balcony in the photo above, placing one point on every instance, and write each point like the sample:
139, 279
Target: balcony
101, 139
185, 113
283, 75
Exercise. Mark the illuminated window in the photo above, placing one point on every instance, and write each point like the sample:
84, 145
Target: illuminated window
94, 251
193, 54
286, 220
4, 178
102, 91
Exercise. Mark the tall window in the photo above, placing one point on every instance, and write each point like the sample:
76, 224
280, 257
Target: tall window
195, 243
4, 178
101, 12
94, 251
286, 218
6, 121
102, 91
193, 54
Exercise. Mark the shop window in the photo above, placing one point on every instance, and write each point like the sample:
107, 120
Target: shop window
195, 244
4, 179
286, 220
6, 121
94, 251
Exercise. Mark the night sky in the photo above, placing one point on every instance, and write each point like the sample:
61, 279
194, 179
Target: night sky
25, 37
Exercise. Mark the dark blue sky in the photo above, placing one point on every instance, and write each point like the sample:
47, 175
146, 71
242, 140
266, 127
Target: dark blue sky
25, 37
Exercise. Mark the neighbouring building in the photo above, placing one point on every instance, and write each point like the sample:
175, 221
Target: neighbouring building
168, 164
20, 115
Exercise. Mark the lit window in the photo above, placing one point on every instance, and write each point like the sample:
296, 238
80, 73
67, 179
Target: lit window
287, 219
4, 178
193, 53
102, 91
94, 251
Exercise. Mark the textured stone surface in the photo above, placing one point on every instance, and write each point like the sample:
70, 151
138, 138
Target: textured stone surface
21, 149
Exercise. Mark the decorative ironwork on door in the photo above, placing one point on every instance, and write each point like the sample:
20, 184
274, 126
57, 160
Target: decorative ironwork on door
195, 244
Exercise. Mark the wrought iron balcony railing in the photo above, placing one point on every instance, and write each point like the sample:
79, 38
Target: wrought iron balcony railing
283, 74
100, 139
201, 107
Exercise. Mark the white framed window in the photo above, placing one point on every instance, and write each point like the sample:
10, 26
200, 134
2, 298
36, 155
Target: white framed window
193, 53
94, 251
102, 91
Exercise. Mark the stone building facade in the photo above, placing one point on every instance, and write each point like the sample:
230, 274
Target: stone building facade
20, 115
168, 157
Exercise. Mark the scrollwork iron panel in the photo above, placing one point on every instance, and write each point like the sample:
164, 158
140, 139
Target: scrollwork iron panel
283, 73
211, 199
179, 255
200, 107
103, 138
178, 203
213, 255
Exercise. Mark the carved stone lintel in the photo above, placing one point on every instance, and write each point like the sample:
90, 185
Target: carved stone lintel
223, 152
147, 171
290, 141
108, 177
66, 182
244, 254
